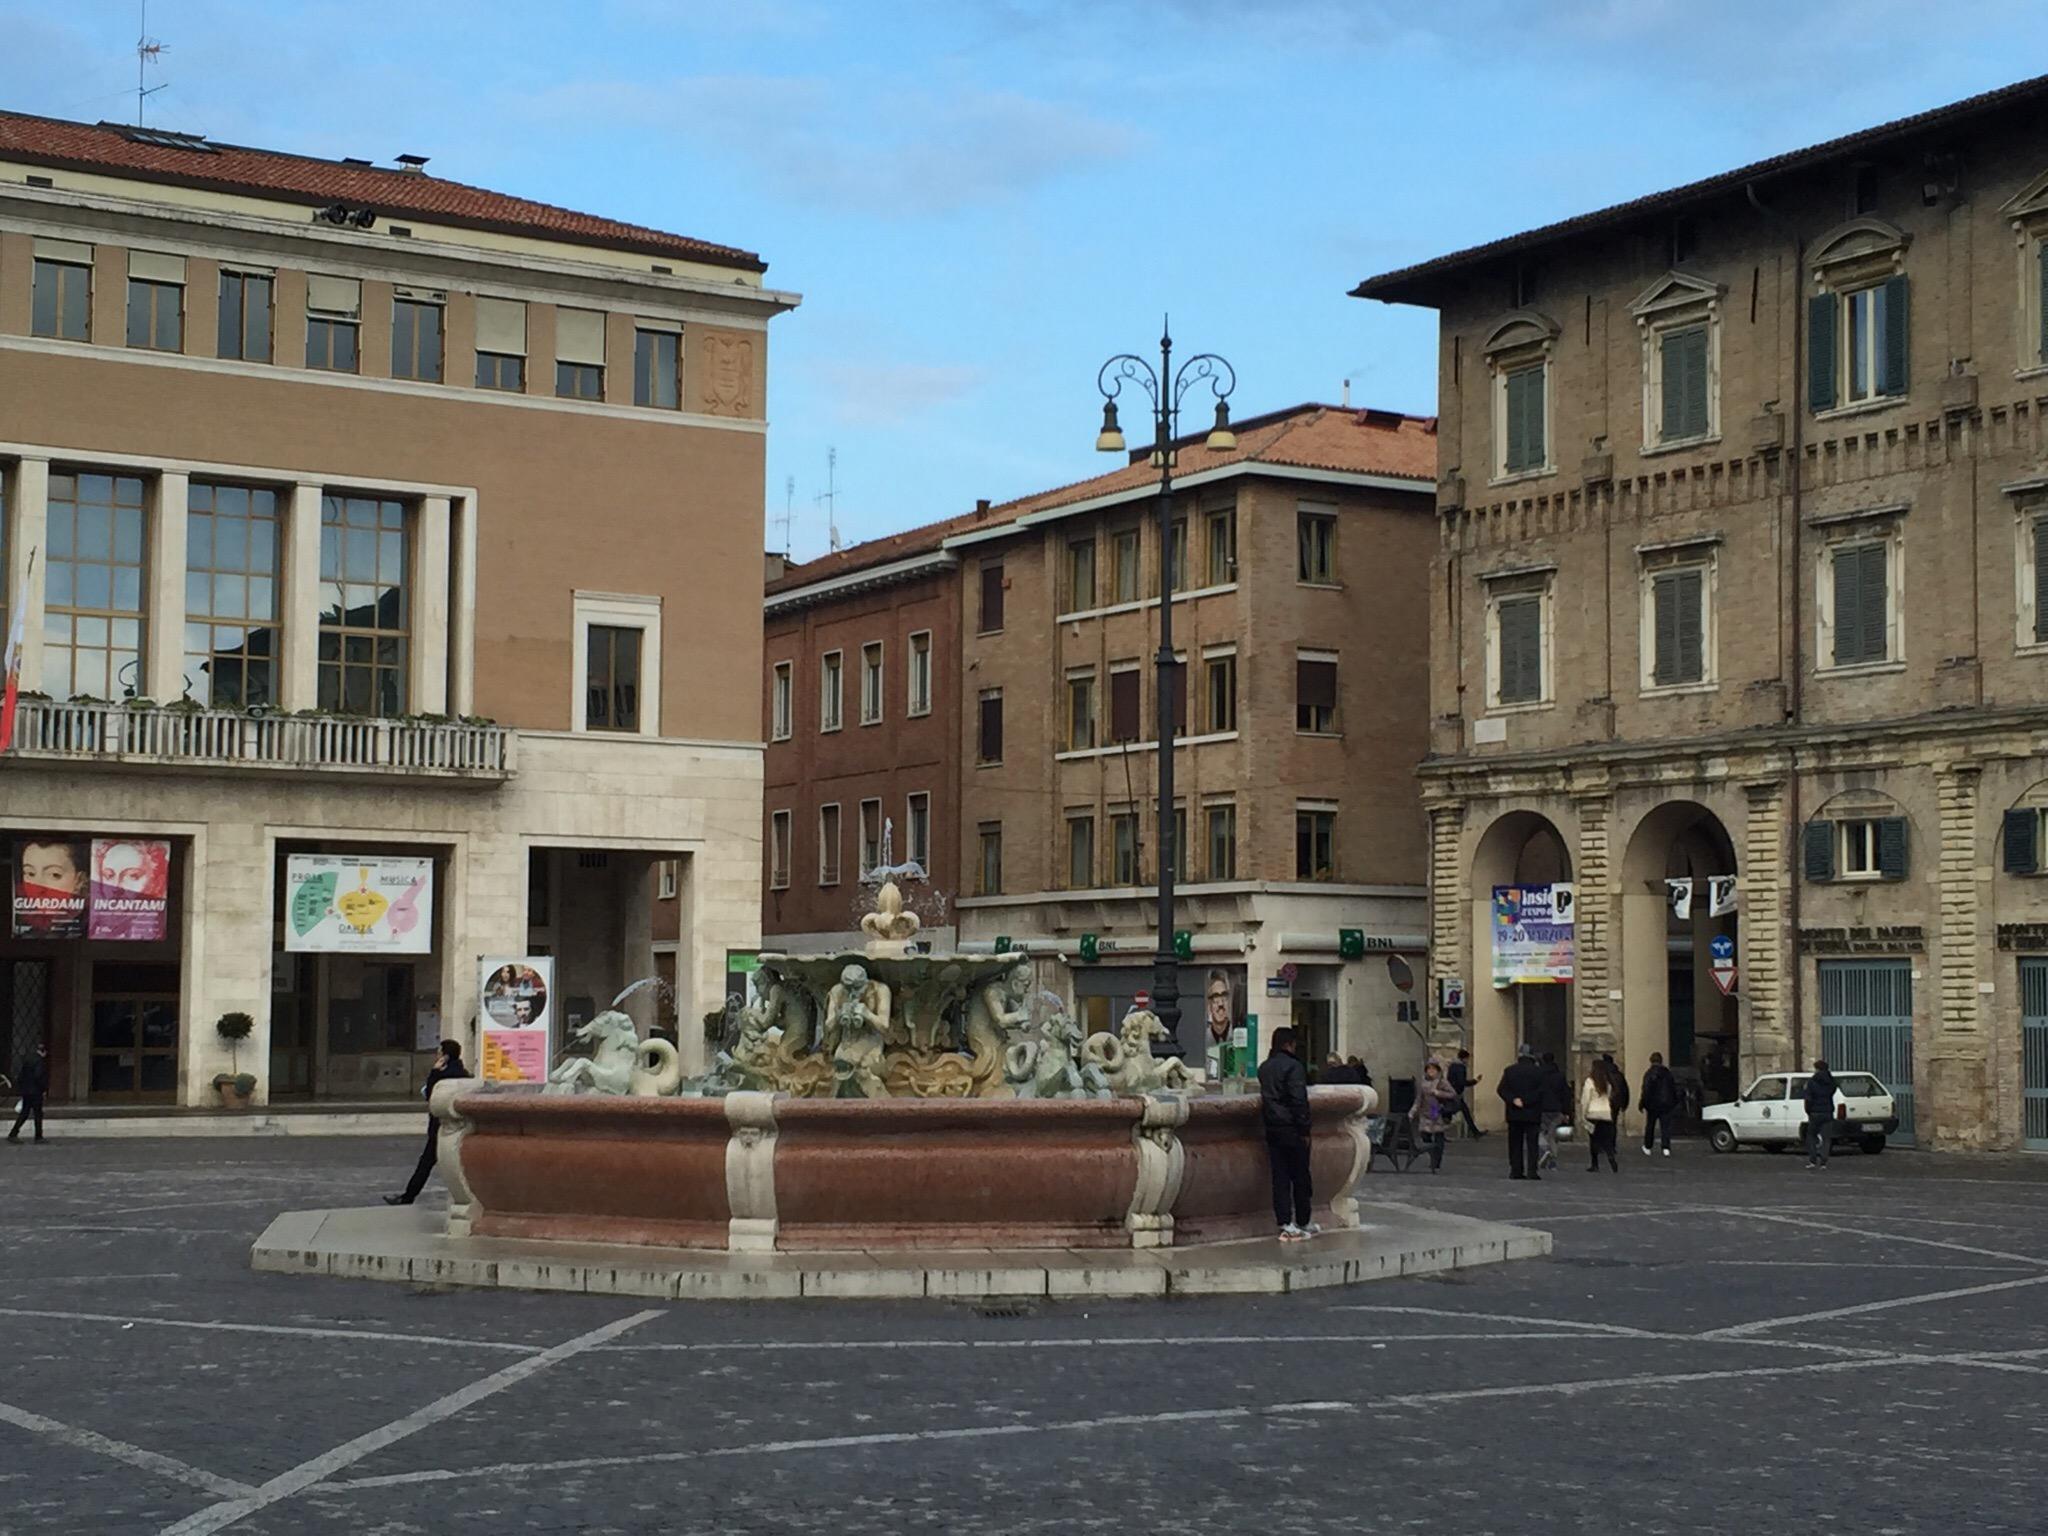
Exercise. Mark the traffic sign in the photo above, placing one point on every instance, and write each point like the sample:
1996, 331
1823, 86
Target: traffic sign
1721, 963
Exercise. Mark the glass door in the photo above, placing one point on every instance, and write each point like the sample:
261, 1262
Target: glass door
134, 1048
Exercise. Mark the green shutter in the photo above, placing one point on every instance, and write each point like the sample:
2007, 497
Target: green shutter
1820, 850
2041, 578
1690, 595
1822, 312
1875, 577
2022, 832
1848, 606
1533, 434
1511, 457
1524, 420
1891, 848
1521, 650
1685, 384
1700, 385
1673, 347
1891, 379
1664, 605
2043, 254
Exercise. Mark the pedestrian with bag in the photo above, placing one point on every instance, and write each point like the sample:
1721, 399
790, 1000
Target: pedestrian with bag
1557, 1108
1521, 1090
1820, 1115
31, 1084
1462, 1083
1660, 1102
447, 1064
1283, 1112
1434, 1108
1596, 1107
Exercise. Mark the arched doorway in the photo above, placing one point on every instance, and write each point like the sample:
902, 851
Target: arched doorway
1673, 1000
1520, 850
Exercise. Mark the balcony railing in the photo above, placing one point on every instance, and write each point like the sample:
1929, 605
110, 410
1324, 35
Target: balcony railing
306, 743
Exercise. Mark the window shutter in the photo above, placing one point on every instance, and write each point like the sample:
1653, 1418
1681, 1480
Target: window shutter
2022, 830
992, 728
1516, 456
1696, 388
1123, 706
2041, 578
1848, 606
1315, 684
1664, 602
1674, 387
1874, 559
1532, 426
1821, 311
1690, 595
2043, 315
1891, 847
1521, 656
1177, 696
1820, 850
1892, 379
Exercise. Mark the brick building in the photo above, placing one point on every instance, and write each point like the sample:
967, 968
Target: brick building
1743, 502
1299, 615
352, 513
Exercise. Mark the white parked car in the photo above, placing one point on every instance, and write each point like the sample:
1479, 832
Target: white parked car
1773, 1113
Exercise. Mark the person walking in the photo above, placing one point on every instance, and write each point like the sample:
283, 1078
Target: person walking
31, 1084
1521, 1090
1660, 1102
1434, 1108
1617, 1082
1462, 1083
1283, 1112
447, 1064
1335, 1071
1820, 1115
1596, 1108
1557, 1108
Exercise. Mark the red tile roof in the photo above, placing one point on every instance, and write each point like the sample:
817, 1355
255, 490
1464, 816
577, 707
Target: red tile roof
189, 160
1328, 437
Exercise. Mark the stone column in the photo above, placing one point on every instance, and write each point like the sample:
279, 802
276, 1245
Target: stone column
25, 588
163, 677
1450, 948
750, 1173
1961, 1099
430, 610
226, 956
462, 614
1765, 968
634, 899
299, 603
1599, 1011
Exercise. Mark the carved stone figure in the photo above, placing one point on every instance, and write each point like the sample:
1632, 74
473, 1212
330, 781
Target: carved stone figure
889, 928
856, 1021
1048, 1066
1126, 1060
619, 1063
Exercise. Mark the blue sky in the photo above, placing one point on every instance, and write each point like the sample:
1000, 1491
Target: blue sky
981, 201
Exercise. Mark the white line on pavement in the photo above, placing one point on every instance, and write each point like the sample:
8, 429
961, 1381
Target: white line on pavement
1178, 1341
1620, 1330
33, 1280
325, 1465
1814, 1224
429, 1341
1743, 1330
121, 1450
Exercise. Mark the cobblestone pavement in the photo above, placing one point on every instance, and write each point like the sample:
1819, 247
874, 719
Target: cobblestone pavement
1719, 1344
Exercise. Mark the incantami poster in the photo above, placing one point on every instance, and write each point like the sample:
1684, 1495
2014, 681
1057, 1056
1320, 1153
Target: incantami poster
348, 904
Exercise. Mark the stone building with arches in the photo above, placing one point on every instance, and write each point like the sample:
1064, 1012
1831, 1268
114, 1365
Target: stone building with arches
1738, 631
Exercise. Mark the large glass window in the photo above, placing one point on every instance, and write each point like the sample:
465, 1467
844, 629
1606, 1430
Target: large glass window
92, 587
921, 672
612, 669
156, 315
1316, 534
416, 340
1080, 852
334, 309
366, 611
60, 300
245, 299
231, 577
1315, 842
989, 866
1222, 842
656, 360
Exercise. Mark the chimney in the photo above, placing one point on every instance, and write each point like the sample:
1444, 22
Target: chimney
981, 506
413, 165
1347, 394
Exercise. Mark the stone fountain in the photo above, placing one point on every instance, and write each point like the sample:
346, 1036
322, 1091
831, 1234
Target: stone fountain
882, 1099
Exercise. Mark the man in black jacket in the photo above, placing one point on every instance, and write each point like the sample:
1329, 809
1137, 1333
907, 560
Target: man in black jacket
1521, 1090
1557, 1108
1462, 1083
446, 1065
1660, 1102
1820, 1115
1283, 1112
31, 1083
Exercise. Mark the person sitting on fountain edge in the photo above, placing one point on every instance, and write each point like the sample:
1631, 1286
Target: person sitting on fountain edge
447, 1064
1283, 1110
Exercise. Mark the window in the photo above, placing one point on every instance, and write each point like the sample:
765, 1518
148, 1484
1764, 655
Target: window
1080, 851
1081, 711
917, 823
2033, 574
579, 354
829, 691
1317, 533
1124, 551
245, 302
93, 624
1863, 847
1123, 848
1682, 384
232, 571
992, 585
1518, 358
1177, 556
2022, 840
1080, 574
1675, 626
1222, 838
1177, 693
780, 700
921, 673
1221, 692
1123, 703
156, 302
778, 851
1679, 318
1525, 444
870, 837
989, 861
1857, 344
828, 845
1315, 842
871, 683
1315, 692
1518, 643
667, 880
60, 301
1222, 547
1859, 850
1857, 610
365, 612
334, 309
989, 742
416, 339
500, 344
612, 678
656, 360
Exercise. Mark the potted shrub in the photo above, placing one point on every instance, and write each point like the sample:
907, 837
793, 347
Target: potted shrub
235, 1087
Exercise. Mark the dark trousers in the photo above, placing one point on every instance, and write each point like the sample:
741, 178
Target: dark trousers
1602, 1142
1522, 1148
1819, 1141
1288, 1155
1434, 1140
29, 1107
1465, 1109
428, 1153
1656, 1121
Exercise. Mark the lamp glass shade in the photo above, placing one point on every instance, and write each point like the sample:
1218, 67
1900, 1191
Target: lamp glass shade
1111, 438
1221, 439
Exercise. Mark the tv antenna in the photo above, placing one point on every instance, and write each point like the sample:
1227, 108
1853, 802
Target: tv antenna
788, 512
830, 499
148, 51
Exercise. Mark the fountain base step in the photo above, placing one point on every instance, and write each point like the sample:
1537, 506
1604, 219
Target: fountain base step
408, 1245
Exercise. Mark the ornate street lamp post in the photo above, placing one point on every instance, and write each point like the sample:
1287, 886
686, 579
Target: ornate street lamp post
1165, 390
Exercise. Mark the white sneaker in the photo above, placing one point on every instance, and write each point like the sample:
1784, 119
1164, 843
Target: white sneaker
1313, 1229
1667, 1151
1291, 1233
1646, 1151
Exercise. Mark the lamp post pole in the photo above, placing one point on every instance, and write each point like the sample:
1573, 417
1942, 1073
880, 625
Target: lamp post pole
1165, 390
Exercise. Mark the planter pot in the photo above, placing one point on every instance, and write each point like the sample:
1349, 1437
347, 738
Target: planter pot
232, 1097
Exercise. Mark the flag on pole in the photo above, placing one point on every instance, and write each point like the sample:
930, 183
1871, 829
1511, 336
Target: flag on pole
1720, 895
1679, 894
11, 697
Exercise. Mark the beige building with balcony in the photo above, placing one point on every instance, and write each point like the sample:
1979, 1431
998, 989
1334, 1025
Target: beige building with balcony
1743, 501
349, 511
